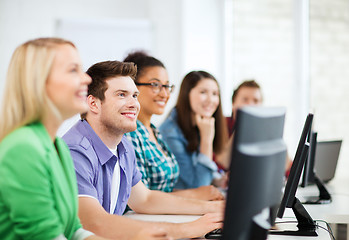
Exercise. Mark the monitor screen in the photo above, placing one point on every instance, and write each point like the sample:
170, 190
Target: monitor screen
296, 169
306, 225
310, 176
256, 173
326, 158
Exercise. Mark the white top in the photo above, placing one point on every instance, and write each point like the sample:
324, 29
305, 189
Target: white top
115, 184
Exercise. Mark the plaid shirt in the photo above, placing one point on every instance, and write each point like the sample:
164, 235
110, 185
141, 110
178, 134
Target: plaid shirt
159, 168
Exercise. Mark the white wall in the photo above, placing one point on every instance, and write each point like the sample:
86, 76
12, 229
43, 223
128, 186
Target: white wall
194, 34
21, 20
265, 35
263, 49
329, 42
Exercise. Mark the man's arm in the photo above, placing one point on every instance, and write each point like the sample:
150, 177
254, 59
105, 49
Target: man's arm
95, 219
143, 200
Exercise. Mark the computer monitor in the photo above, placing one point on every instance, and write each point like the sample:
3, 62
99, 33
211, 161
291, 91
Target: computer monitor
256, 173
310, 176
326, 158
306, 225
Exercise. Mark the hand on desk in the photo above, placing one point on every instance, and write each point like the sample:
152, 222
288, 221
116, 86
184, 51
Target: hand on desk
204, 224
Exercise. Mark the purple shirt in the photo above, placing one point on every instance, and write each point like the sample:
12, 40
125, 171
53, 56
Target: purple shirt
94, 166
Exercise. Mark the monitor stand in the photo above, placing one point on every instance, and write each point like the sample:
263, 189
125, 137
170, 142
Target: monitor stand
306, 225
324, 196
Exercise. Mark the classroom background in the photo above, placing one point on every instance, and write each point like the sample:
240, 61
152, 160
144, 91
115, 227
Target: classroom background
297, 50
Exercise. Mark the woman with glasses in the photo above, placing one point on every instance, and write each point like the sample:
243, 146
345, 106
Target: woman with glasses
156, 162
196, 130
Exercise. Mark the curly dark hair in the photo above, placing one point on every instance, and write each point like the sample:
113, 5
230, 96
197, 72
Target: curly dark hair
143, 61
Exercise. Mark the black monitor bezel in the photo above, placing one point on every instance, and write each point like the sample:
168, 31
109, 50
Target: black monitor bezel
308, 171
306, 225
296, 169
310, 176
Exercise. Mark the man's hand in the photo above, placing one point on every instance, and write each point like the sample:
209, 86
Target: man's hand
204, 224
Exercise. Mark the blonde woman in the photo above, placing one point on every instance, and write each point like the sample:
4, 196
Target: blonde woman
38, 192
38, 189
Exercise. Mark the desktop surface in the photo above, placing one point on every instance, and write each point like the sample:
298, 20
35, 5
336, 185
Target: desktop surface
287, 224
340, 231
323, 234
322, 231
335, 213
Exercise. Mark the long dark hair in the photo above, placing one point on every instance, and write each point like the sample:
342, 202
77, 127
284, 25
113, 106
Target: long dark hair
184, 112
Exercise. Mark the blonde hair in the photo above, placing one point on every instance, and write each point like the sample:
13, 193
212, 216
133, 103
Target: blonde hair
25, 99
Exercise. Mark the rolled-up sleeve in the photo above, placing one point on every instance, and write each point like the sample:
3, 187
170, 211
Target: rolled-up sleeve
205, 161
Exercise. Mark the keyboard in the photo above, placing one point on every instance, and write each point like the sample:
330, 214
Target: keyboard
214, 234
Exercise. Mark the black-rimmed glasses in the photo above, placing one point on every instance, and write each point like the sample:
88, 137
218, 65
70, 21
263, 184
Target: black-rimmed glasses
157, 87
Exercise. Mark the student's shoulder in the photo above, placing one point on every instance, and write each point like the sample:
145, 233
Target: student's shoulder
22, 149
75, 136
32, 135
169, 127
127, 142
31, 140
80, 146
170, 120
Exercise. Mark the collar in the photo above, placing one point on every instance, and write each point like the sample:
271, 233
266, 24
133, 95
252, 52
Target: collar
144, 131
102, 151
42, 132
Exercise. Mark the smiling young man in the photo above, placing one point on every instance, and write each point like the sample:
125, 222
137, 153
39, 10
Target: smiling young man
248, 93
105, 164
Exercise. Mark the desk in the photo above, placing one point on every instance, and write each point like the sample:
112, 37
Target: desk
188, 218
335, 212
